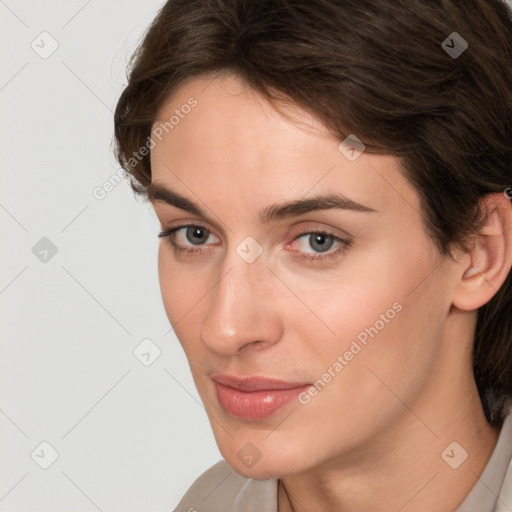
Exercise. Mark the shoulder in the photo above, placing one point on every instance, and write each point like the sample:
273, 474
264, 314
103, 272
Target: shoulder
221, 489
493, 489
504, 501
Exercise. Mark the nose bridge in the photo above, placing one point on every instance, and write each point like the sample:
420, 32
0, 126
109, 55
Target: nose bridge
238, 311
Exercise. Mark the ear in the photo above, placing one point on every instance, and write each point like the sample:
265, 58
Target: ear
487, 264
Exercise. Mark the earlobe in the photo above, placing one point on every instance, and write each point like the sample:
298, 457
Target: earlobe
490, 256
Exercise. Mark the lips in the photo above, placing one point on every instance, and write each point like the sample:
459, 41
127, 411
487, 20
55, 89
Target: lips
254, 398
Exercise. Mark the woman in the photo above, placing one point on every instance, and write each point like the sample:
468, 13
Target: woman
333, 181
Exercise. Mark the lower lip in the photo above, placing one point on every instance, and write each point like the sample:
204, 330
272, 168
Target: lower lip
255, 405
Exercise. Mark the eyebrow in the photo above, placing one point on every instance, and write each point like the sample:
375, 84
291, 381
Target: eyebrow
158, 193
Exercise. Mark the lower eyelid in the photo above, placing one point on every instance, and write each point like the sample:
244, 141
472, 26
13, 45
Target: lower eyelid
318, 257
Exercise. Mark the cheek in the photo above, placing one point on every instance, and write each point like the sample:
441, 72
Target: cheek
375, 319
179, 293
167, 283
183, 294
364, 292
365, 390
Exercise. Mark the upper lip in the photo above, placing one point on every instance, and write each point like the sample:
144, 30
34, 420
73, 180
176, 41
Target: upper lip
255, 383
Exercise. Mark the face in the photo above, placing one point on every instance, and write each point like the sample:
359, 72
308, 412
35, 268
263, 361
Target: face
344, 304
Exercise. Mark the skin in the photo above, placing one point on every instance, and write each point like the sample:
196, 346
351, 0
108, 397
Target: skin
372, 438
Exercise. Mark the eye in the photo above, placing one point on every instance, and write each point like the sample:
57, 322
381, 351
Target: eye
182, 238
320, 242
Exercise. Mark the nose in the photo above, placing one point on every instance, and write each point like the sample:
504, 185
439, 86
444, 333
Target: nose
241, 308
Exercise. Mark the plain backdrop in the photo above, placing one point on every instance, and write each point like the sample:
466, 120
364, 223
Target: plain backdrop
98, 410
79, 286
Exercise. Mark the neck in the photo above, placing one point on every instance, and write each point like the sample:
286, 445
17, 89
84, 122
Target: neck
412, 476
407, 466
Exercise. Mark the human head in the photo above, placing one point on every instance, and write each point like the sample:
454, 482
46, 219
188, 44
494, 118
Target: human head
374, 69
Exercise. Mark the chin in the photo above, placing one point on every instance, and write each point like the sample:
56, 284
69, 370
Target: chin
274, 465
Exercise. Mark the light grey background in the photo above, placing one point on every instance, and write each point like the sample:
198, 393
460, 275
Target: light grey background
129, 437
130, 433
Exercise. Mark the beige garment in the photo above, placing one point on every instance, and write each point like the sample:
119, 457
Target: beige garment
221, 489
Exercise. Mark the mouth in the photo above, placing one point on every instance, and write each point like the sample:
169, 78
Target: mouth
255, 398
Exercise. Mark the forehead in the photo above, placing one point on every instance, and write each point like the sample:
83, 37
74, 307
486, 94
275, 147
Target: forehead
234, 143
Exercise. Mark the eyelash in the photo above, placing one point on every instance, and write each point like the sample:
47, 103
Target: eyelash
308, 257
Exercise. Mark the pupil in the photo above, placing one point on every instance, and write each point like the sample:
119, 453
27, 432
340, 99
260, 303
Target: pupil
197, 235
318, 242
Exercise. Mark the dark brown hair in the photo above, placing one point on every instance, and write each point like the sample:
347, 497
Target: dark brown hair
373, 68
